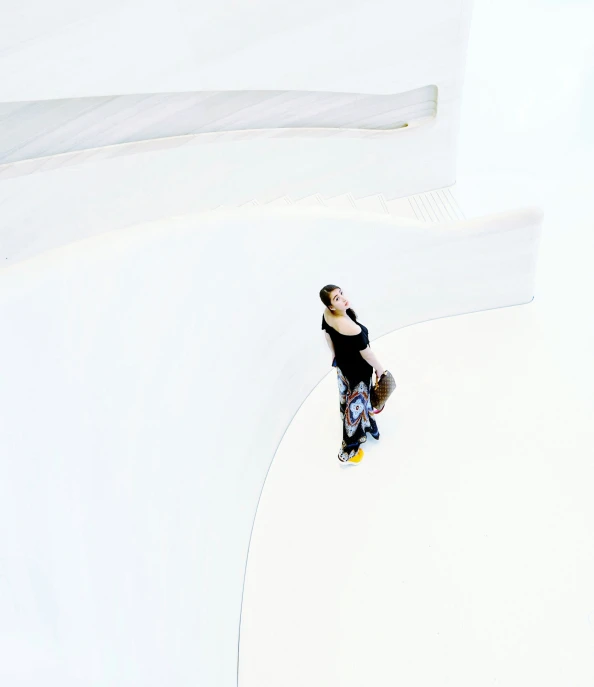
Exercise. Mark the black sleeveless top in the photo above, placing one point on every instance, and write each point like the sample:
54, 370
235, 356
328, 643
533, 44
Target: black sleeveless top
348, 357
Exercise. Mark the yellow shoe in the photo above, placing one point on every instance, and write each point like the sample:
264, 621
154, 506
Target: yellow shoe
358, 457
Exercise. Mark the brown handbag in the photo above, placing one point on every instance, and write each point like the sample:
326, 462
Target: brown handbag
381, 391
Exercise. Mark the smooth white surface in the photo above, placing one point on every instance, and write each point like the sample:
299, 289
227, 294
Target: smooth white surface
474, 518
159, 379
52, 127
357, 48
43, 164
382, 48
459, 551
567, 249
109, 191
103, 47
135, 559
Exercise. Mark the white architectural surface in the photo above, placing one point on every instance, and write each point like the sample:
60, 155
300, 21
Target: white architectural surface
459, 551
174, 587
110, 191
160, 379
52, 127
103, 47
52, 55
134, 445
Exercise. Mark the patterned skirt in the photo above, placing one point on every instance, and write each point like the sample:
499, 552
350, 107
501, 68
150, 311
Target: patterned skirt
355, 412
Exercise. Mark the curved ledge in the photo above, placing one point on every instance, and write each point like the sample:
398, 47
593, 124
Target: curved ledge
53, 127
178, 273
45, 163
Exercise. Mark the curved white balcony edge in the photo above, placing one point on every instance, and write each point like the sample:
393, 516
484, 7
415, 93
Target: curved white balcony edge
45, 163
241, 292
49, 127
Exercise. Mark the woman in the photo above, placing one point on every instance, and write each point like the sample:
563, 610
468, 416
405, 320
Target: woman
354, 361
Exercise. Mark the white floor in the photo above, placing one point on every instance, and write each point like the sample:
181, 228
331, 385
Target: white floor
460, 551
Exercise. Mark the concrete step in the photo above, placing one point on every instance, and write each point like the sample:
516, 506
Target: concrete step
344, 201
314, 200
402, 207
436, 206
250, 203
283, 202
375, 203
439, 205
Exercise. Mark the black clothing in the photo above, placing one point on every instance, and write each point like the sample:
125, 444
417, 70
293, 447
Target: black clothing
354, 376
348, 358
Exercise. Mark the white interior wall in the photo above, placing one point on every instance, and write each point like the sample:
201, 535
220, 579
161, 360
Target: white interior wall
154, 592
69, 49
53, 127
151, 382
500, 136
368, 48
109, 191
472, 530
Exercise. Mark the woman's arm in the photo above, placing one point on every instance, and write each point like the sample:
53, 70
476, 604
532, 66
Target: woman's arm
370, 357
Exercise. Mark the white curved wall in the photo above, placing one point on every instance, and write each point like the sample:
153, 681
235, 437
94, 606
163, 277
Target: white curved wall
381, 48
158, 377
142, 480
50, 208
52, 127
67, 49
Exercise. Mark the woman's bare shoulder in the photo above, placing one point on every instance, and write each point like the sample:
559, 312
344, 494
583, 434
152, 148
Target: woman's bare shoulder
343, 325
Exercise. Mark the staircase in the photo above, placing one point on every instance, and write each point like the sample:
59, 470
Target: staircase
439, 205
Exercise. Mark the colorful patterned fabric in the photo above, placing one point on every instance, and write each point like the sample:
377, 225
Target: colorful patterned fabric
354, 375
355, 413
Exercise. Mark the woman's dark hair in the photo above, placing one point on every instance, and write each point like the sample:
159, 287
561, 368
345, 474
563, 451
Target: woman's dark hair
325, 297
